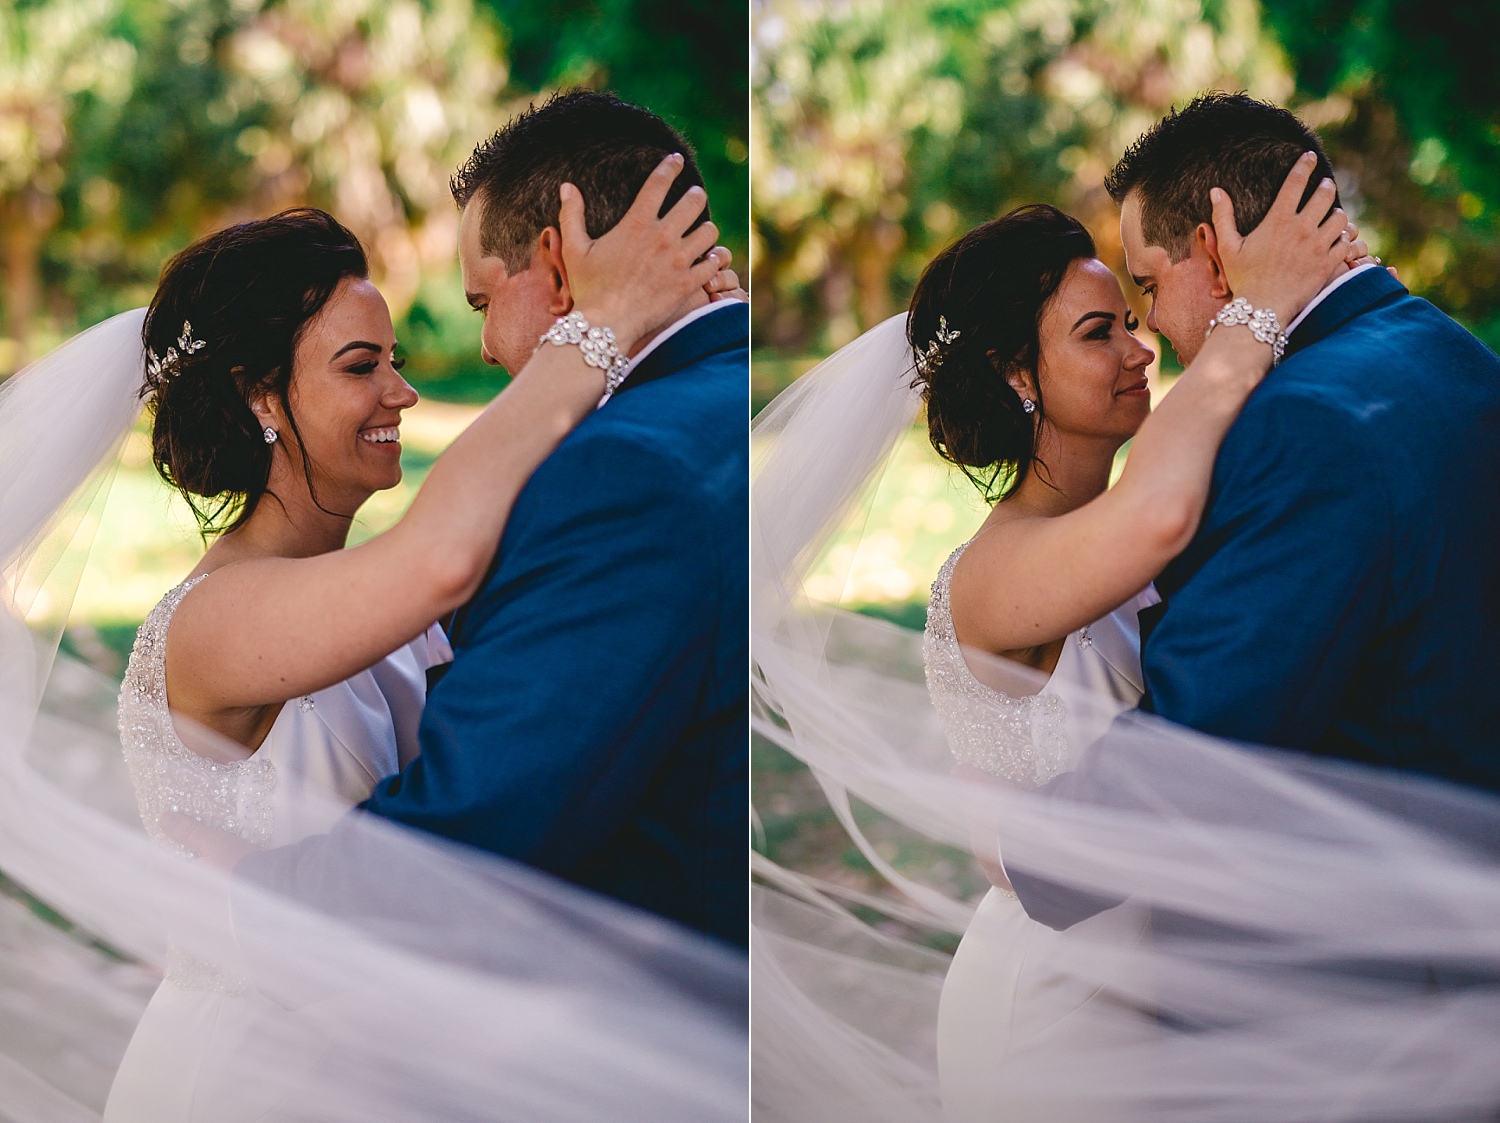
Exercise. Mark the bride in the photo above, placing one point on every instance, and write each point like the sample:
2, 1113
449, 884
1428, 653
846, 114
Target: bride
295, 667
1030, 586
1021, 345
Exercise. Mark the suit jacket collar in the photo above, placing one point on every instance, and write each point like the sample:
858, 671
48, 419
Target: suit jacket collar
1354, 298
708, 335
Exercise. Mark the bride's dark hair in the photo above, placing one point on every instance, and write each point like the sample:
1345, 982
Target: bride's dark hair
990, 287
248, 291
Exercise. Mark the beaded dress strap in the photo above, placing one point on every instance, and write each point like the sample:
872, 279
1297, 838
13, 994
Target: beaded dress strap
1019, 738
233, 796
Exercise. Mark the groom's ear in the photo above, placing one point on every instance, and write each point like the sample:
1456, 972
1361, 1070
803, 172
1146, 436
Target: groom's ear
548, 256
1207, 242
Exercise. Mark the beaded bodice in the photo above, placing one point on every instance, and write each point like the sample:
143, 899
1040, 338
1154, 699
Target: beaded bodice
1020, 738
168, 776
324, 754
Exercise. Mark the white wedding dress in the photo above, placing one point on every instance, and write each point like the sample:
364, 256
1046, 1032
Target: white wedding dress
324, 754
1000, 999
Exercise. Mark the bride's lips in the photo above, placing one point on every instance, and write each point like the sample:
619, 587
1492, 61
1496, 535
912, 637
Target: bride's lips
382, 436
1140, 389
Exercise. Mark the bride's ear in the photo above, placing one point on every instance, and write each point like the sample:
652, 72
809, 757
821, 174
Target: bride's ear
261, 405
549, 254
1019, 378
1208, 241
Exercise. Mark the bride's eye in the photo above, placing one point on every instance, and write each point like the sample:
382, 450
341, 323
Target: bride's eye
1131, 323
399, 363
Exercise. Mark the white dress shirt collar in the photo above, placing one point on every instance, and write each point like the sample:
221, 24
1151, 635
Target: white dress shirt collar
1342, 278
667, 333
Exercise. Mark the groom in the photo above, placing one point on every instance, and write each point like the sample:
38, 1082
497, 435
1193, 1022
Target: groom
593, 721
1340, 596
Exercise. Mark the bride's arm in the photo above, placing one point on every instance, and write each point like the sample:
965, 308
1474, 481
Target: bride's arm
260, 632
1045, 577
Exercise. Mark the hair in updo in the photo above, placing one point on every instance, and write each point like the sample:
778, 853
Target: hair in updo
248, 291
991, 287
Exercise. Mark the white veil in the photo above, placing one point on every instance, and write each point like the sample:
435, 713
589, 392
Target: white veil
443, 984
1300, 938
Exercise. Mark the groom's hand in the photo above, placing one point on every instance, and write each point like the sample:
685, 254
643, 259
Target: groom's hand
216, 847
983, 837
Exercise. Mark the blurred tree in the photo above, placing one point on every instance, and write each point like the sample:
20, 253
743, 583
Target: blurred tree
241, 109
1407, 97
682, 59
54, 55
884, 128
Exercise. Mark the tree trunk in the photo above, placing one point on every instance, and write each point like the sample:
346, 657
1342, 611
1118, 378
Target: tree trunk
26, 218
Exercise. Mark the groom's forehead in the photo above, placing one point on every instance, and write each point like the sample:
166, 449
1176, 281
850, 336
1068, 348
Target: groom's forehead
1131, 239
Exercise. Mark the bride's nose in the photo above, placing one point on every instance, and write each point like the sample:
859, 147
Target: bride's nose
1140, 356
400, 395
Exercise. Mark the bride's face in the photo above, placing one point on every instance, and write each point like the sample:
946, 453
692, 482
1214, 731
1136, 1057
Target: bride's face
1092, 368
347, 393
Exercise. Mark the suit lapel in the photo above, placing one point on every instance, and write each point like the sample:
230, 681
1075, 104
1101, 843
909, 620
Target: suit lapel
710, 334
1353, 298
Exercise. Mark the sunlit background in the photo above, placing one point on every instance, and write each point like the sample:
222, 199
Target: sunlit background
882, 129
130, 127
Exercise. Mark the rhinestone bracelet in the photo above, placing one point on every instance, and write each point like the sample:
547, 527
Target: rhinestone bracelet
1262, 323
597, 345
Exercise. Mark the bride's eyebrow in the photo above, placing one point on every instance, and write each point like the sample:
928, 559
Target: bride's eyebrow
1087, 316
358, 344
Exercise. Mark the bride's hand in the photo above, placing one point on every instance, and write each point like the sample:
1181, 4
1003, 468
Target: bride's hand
645, 267
1287, 259
1359, 252
725, 284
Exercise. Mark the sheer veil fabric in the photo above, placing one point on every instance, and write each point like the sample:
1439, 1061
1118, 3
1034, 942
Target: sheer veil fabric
1320, 938
445, 984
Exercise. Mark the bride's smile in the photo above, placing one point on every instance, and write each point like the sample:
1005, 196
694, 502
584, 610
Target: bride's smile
346, 395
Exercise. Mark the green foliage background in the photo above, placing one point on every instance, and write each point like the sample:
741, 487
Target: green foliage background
130, 127
883, 128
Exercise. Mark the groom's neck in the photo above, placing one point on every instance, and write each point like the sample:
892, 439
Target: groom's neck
694, 302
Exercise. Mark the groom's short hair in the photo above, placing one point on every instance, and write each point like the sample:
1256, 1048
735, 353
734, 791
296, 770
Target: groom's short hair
602, 145
1231, 141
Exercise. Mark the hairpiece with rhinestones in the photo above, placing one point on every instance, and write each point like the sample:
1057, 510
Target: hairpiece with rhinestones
931, 356
171, 362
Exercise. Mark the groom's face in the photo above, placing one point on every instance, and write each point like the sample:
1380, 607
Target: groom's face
1182, 293
517, 307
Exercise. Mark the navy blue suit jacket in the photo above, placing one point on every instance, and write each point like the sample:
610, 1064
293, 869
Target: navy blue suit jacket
1341, 595
594, 721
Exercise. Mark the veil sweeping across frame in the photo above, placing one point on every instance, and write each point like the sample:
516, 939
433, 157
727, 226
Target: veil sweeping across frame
446, 984
1299, 938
